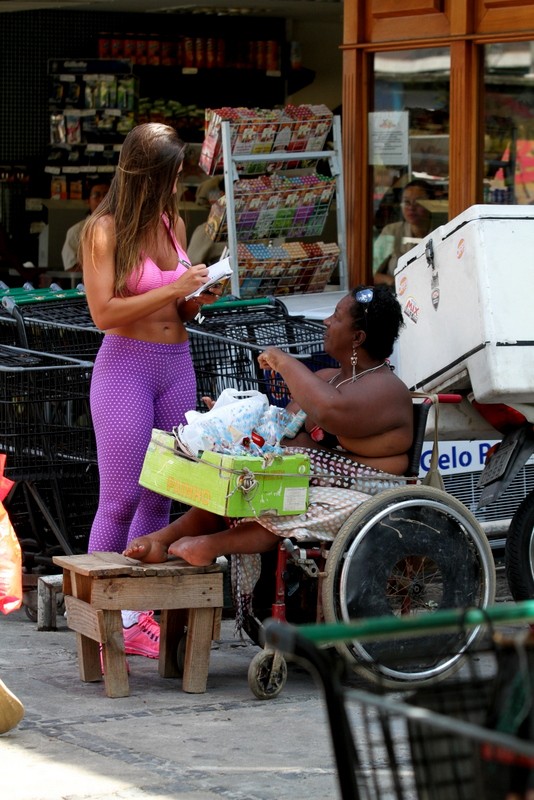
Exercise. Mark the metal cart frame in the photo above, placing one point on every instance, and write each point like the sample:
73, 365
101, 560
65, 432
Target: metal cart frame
307, 643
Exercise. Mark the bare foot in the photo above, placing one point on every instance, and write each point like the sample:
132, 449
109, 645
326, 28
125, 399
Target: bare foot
196, 550
147, 550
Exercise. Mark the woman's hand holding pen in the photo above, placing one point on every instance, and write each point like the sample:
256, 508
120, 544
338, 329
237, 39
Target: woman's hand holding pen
191, 280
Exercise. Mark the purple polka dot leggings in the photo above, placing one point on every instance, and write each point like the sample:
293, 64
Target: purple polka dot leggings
135, 386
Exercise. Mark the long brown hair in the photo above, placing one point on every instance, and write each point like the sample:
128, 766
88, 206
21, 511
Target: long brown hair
140, 193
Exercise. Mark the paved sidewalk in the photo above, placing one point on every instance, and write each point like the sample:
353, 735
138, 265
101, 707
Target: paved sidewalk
76, 744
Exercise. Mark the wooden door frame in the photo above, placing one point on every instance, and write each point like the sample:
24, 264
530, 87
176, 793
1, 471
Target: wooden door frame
466, 131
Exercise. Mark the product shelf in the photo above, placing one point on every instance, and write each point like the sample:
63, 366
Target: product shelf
275, 206
286, 269
270, 209
293, 129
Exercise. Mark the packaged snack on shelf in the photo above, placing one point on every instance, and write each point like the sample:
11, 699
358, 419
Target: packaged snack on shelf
287, 268
257, 130
58, 133
73, 126
75, 189
303, 128
58, 187
276, 207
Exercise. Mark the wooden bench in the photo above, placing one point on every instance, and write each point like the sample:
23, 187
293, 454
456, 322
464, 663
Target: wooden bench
98, 586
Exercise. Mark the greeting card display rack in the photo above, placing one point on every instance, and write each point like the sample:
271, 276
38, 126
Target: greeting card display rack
280, 207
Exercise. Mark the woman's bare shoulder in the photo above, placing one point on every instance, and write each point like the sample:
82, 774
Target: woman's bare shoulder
106, 224
399, 387
103, 230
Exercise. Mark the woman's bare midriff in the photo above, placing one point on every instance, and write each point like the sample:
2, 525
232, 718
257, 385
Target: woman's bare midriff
157, 331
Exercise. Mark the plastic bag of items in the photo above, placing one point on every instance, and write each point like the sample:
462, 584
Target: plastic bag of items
239, 422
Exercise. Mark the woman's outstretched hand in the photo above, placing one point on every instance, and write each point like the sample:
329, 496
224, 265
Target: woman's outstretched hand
271, 358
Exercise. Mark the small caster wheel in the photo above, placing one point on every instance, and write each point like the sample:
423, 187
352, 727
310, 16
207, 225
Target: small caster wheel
267, 674
31, 613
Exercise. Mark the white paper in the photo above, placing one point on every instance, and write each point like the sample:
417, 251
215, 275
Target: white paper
217, 272
388, 137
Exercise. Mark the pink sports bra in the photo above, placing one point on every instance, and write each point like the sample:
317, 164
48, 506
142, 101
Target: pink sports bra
149, 276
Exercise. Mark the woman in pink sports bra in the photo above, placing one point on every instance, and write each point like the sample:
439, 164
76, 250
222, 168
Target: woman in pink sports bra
133, 249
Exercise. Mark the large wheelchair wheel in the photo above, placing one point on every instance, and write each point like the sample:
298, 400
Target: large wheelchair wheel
408, 551
519, 551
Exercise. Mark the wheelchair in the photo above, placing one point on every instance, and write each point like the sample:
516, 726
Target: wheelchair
409, 550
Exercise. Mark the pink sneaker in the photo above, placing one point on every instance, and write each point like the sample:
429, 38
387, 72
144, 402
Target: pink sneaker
142, 639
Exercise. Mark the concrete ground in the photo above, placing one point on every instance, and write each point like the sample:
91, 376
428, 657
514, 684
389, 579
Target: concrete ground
76, 744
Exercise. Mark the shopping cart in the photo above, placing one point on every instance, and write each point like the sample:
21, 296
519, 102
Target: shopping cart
47, 435
50, 321
226, 345
465, 738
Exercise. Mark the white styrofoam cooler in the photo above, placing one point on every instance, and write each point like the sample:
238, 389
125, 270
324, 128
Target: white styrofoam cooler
469, 310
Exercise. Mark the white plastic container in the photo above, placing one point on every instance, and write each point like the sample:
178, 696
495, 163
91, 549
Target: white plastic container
467, 295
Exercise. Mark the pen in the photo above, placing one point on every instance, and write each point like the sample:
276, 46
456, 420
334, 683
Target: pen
199, 318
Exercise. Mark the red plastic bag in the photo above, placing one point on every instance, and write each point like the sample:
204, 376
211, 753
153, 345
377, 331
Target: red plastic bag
10, 553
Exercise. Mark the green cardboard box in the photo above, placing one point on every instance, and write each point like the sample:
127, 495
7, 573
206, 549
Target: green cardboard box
224, 484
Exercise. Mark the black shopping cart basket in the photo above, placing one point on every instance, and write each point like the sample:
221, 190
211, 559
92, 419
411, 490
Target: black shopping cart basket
47, 435
226, 345
50, 321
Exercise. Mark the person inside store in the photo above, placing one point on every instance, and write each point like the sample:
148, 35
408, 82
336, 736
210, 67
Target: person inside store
358, 426
398, 238
137, 278
98, 189
202, 248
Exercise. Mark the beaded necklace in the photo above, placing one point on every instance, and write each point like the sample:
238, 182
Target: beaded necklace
355, 377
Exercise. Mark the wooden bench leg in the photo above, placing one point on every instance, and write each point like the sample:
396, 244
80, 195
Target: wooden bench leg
171, 630
217, 620
88, 659
114, 658
197, 650
86, 621
93, 626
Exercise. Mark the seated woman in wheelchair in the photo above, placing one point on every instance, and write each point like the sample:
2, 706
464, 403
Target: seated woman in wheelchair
358, 431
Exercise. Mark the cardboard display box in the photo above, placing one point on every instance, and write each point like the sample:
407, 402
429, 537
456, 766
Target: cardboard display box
220, 483
466, 297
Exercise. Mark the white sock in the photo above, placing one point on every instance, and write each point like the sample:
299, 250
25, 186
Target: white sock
129, 618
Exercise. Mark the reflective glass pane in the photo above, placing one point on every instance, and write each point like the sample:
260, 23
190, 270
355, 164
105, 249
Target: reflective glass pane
408, 151
509, 123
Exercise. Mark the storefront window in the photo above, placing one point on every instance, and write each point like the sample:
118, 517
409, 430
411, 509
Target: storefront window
509, 123
408, 151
